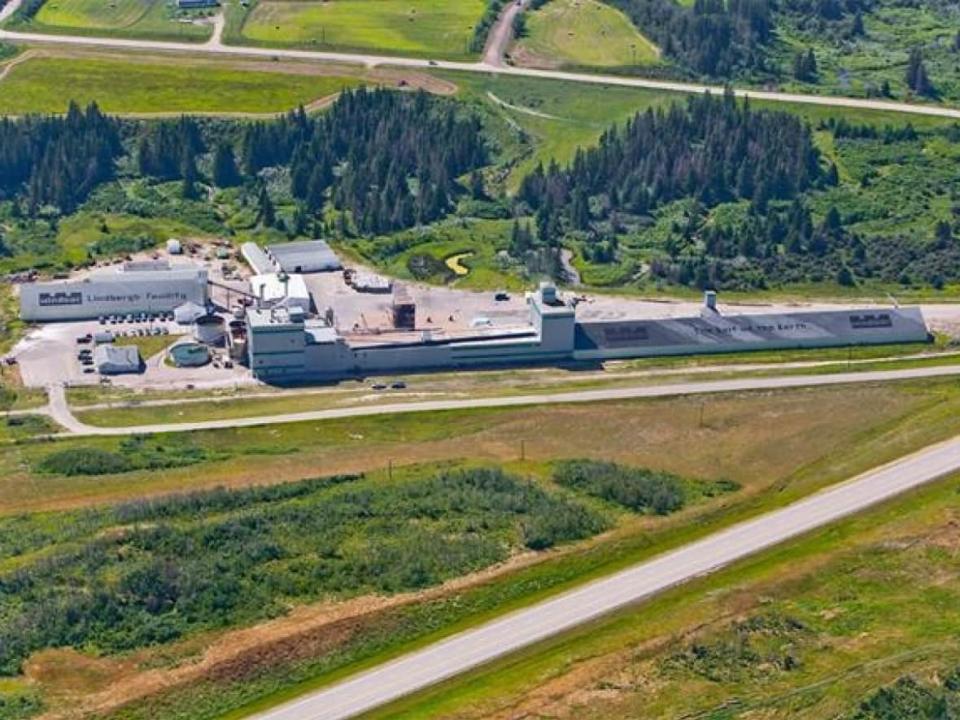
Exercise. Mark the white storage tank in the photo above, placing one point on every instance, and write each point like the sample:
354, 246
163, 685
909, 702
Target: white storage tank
210, 330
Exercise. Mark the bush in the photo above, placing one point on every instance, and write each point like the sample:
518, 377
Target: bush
84, 461
135, 453
638, 489
148, 572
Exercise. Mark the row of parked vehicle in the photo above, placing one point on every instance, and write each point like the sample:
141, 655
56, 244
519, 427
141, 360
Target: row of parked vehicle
134, 317
85, 356
109, 335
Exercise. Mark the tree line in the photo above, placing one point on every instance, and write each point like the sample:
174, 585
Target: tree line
713, 149
58, 161
384, 160
389, 160
712, 37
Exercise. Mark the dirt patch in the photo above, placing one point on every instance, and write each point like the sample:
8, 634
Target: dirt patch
79, 685
523, 57
413, 80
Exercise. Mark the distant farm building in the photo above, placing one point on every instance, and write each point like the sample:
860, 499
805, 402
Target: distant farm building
197, 4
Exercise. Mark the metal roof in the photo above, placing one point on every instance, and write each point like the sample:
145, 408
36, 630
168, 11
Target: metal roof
111, 359
304, 256
256, 258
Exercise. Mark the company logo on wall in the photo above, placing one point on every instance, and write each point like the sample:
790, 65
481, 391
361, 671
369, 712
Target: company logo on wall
868, 322
60, 298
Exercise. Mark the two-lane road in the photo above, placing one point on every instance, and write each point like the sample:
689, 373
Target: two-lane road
60, 411
494, 66
473, 648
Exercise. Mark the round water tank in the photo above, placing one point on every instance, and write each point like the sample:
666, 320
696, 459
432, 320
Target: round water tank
210, 330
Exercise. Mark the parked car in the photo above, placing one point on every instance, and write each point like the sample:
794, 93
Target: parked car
85, 339
398, 385
379, 386
501, 297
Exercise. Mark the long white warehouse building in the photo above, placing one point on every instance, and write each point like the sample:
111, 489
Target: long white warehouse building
113, 292
284, 346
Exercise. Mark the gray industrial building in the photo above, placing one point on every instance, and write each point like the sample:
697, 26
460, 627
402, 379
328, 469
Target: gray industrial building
305, 256
117, 360
284, 345
121, 291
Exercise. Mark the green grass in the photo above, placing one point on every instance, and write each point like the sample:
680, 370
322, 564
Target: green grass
583, 33
855, 607
127, 87
537, 583
425, 28
854, 66
779, 447
157, 19
148, 346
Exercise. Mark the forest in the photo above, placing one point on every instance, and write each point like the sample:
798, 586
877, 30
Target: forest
737, 198
710, 37
388, 160
57, 160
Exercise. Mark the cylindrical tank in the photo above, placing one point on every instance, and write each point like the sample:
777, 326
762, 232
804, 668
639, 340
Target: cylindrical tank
210, 330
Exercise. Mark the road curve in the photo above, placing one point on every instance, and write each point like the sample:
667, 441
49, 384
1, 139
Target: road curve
370, 60
472, 648
74, 427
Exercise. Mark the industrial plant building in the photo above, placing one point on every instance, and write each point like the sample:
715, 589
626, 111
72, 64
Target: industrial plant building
306, 256
133, 288
285, 345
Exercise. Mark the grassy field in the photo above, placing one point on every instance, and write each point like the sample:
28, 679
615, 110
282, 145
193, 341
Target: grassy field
773, 469
582, 33
807, 631
157, 19
790, 442
47, 84
425, 28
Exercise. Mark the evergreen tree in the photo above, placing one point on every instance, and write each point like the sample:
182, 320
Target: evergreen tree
916, 76
857, 29
225, 171
266, 213
188, 171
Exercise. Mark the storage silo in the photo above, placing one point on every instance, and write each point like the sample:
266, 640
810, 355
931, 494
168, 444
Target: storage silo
210, 330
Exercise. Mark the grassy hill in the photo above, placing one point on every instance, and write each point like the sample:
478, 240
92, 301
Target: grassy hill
582, 33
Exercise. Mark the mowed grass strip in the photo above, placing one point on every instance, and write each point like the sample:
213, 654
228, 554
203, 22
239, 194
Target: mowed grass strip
586, 33
48, 85
434, 28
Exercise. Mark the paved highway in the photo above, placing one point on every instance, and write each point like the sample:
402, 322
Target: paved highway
60, 411
369, 60
473, 648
